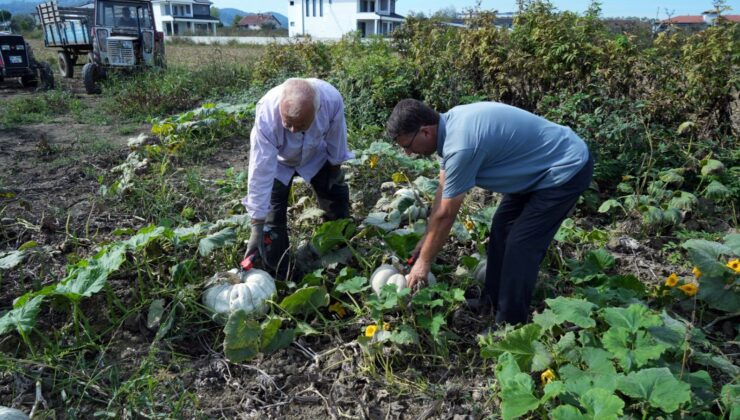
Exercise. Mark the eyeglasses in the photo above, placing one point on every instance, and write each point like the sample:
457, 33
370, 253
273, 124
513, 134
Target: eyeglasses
408, 146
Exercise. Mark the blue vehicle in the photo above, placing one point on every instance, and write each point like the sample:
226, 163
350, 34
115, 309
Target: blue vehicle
17, 61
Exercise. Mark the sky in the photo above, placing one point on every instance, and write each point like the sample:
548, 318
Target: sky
610, 8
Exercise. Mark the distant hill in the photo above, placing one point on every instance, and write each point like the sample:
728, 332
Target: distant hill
227, 16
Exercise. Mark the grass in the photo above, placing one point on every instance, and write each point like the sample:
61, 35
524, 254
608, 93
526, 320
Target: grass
37, 108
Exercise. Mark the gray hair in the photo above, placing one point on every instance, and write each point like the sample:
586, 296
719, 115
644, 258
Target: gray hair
297, 94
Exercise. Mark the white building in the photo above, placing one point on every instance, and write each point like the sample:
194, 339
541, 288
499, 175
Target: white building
334, 18
184, 17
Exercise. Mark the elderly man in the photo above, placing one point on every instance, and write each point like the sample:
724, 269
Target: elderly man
540, 167
299, 129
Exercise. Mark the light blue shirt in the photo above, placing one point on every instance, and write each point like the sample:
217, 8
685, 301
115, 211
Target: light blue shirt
505, 149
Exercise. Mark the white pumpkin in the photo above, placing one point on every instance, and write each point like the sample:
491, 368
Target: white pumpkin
12, 414
387, 274
247, 290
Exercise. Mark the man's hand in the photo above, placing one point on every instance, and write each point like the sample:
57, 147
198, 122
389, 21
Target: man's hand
256, 240
417, 277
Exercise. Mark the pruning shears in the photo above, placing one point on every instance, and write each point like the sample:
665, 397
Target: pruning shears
249, 261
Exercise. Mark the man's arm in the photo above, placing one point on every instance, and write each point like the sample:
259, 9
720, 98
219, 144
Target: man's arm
262, 170
435, 205
440, 222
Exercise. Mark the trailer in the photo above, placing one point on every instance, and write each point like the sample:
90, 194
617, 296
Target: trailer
68, 29
113, 35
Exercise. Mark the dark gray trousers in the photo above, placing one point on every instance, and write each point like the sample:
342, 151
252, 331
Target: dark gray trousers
333, 200
522, 229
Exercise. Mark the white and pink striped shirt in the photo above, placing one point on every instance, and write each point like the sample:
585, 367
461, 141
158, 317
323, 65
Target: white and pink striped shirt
276, 153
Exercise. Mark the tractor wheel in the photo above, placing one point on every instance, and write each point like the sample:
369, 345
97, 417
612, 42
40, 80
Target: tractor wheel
66, 64
46, 76
30, 80
90, 78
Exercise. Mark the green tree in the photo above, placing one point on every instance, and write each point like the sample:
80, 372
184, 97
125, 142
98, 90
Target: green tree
22, 23
236, 20
5, 16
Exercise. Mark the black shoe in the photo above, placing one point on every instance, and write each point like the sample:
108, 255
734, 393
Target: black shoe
480, 306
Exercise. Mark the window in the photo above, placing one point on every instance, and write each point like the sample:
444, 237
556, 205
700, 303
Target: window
292, 3
166, 10
321, 7
307, 9
313, 2
292, 24
384, 5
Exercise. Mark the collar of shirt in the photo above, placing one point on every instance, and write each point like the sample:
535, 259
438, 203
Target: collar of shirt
441, 133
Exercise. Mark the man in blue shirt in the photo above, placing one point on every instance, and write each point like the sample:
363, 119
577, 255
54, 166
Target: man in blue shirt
540, 167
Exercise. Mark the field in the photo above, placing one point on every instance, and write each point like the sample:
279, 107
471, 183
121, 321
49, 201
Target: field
116, 209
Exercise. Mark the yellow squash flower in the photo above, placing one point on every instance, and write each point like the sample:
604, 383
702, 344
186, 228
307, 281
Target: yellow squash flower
734, 265
689, 289
697, 272
370, 330
373, 161
469, 225
338, 309
672, 280
547, 376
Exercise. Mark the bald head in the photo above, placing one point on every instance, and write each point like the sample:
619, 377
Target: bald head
299, 103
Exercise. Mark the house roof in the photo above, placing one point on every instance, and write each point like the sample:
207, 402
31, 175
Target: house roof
258, 19
688, 19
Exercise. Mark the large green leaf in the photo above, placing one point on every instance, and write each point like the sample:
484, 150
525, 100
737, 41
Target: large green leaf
718, 294
144, 236
306, 300
731, 400
609, 205
732, 241
517, 398
631, 318
657, 387
243, 337
565, 309
717, 191
520, 343
224, 237
599, 372
706, 254
331, 234
354, 285
567, 412
273, 338
601, 404
22, 318
84, 283
432, 323
402, 244
632, 349
595, 262
684, 201
10, 260
384, 221
711, 167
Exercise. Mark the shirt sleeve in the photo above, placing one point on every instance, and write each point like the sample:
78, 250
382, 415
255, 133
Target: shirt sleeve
461, 169
262, 167
336, 137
